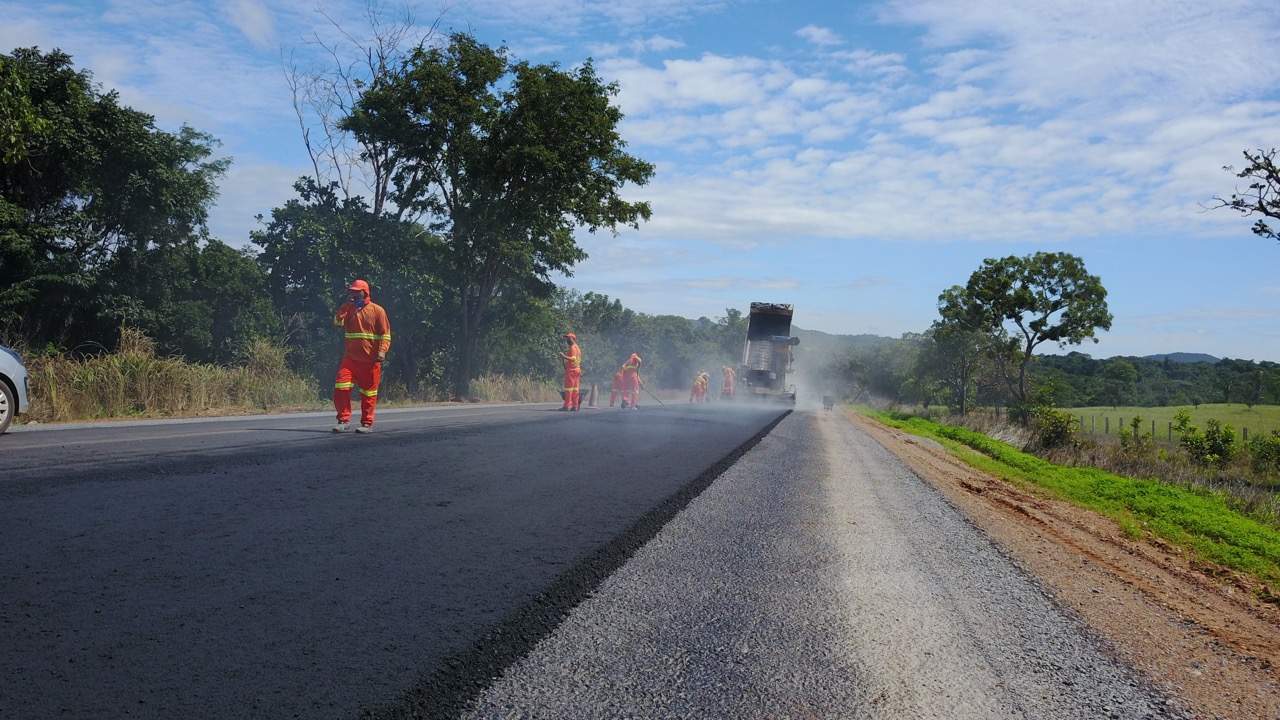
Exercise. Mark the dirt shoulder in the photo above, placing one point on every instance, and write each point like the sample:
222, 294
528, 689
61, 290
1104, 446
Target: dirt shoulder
1190, 629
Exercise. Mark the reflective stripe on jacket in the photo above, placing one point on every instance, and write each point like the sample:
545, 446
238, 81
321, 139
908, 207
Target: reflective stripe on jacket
367, 331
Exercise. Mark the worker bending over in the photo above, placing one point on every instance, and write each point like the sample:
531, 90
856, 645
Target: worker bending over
726, 384
616, 388
698, 393
368, 338
631, 382
572, 357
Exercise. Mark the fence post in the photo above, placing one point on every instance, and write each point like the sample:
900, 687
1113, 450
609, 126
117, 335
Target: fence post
1120, 429
1153, 428
1246, 433
1093, 424
1106, 425
1171, 432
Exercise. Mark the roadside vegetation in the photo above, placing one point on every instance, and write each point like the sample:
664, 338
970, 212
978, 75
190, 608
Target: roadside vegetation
1198, 519
133, 381
1259, 419
88, 261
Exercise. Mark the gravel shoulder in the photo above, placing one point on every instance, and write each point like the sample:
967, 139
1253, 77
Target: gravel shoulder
820, 577
1191, 630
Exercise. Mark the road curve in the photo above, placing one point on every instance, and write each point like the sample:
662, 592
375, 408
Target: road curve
262, 567
818, 577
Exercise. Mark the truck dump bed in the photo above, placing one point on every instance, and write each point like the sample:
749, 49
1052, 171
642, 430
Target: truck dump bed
766, 357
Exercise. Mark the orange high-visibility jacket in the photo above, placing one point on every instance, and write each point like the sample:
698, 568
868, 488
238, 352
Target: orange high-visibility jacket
367, 330
631, 369
573, 359
617, 380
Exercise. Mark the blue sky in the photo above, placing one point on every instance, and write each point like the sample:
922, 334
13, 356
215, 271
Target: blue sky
852, 158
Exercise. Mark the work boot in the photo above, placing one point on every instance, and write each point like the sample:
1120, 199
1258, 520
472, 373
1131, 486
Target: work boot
341, 427
365, 429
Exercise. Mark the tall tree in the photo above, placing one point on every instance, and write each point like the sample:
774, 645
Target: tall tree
505, 160
85, 200
954, 352
1261, 196
316, 244
1020, 303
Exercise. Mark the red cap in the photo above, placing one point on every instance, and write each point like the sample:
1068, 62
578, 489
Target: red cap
571, 336
359, 285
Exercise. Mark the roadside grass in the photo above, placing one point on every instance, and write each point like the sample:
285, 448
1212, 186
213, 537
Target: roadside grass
1195, 519
134, 382
1260, 419
515, 388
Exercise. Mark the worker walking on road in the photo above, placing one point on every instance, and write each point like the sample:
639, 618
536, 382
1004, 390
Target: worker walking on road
367, 333
616, 388
572, 357
726, 384
631, 382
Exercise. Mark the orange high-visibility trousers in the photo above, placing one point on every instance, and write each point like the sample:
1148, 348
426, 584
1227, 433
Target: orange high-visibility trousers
572, 395
616, 388
365, 377
631, 390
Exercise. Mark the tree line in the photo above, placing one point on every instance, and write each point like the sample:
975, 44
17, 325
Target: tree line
982, 350
480, 169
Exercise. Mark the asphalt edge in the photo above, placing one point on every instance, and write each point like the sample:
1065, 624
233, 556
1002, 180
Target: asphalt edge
449, 690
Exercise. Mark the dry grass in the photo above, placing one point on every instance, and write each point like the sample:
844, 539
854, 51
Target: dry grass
514, 388
134, 382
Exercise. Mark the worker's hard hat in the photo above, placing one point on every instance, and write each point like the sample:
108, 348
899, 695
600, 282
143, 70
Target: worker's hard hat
571, 336
359, 285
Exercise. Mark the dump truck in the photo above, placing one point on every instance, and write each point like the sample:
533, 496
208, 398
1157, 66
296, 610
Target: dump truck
766, 356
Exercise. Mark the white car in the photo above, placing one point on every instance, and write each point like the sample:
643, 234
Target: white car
13, 387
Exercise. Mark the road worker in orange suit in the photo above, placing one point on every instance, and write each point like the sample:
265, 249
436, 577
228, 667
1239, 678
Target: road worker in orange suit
698, 393
705, 378
572, 357
726, 384
616, 388
631, 382
367, 332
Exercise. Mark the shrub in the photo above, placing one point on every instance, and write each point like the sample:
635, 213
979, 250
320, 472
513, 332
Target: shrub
1264, 453
1133, 440
1214, 447
1053, 428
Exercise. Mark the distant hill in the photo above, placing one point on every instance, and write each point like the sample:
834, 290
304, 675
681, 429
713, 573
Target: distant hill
819, 345
815, 344
1182, 357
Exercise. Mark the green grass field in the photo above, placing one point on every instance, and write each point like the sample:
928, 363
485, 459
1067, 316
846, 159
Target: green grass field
1199, 520
1260, 419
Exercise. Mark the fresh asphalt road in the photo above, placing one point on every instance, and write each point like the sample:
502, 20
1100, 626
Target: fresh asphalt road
819, 578
262, 567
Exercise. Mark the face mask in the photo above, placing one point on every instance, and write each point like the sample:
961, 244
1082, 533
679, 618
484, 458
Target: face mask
359, 302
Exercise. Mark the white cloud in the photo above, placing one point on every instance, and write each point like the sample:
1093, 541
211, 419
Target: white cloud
863, 61
819, 35
973, 149
576, 16
656, 43
253, 19
1047, 52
